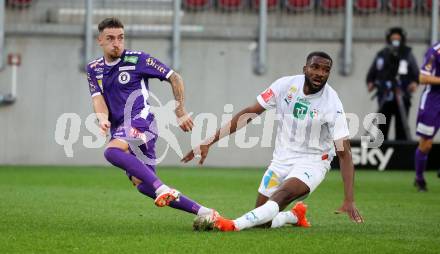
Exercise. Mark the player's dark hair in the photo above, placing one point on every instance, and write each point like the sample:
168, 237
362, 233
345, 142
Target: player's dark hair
395, 30
110, 23
319, 54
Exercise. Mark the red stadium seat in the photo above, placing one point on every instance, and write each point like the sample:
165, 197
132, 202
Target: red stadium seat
19, 3
367, 6
231, 5
299, 5
196, 4
332, 5
271, 4
399, 6
427, 5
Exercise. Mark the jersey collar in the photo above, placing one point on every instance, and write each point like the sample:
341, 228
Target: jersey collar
116, 61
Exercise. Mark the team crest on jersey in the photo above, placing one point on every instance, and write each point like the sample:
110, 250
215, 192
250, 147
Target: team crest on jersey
124, 77
288, 98
314, 113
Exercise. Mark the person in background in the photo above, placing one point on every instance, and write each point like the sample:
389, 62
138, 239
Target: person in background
394, 75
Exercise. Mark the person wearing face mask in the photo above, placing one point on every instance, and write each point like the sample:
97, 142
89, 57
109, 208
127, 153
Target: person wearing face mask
394, 75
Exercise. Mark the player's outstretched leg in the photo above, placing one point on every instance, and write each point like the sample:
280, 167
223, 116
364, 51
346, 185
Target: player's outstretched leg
136, 168
290, 190
258, 216
183, 203
296, 216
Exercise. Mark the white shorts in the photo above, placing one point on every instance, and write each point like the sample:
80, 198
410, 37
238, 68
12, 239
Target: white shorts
309, 171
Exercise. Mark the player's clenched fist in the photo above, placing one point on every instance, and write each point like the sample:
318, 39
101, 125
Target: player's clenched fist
104, 126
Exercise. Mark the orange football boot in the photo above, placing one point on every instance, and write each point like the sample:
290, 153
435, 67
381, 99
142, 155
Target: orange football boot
223, 224
299, 210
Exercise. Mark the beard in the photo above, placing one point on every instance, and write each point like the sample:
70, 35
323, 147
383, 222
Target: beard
115, 54
313, 88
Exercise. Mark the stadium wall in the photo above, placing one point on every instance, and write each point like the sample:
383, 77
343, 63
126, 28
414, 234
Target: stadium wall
51, 83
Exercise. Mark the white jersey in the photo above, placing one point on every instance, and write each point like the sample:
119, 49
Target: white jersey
307, 124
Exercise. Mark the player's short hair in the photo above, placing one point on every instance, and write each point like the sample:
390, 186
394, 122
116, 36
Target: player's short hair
320, 54
110, 23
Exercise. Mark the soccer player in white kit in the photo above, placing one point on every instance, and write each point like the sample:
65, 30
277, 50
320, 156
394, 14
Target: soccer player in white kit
312, 129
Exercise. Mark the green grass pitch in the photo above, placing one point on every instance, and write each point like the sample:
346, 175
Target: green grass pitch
96, 210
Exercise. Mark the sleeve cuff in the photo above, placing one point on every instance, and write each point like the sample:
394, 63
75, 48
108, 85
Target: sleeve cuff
425, 72
343, 136
169, 74
262, 102
96, 94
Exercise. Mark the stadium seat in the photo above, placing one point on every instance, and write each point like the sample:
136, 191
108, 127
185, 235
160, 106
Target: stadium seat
271, 4
196, 5
399, 6
367, 6
427, 5
231, 5
299, 5
19, 3
332, 5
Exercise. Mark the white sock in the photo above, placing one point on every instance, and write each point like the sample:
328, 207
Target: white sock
284, 218
161, 189
258, 216
204, 211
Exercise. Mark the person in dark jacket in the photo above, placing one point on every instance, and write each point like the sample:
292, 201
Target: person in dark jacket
394, 75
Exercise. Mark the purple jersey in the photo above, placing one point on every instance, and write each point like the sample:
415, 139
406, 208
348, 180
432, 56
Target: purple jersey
118, 80
428, 118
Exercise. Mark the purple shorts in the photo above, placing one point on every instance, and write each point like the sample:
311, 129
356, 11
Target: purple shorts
141, 136
428, 119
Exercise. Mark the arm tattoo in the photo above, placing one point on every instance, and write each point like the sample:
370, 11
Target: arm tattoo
178, 88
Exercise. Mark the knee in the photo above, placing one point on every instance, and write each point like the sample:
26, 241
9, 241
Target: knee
109, 154
283, 197
425, 145
286, 196
136, 181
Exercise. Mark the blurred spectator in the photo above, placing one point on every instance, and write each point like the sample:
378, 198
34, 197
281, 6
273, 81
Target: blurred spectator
394, 75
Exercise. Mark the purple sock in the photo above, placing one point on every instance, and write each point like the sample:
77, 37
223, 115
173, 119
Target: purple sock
133, 166
184, 203
420, 161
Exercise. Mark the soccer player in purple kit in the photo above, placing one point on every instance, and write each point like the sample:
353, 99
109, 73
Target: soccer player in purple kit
428, 118
113, 80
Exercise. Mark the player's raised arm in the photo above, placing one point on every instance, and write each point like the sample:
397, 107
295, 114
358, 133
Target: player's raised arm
343, 151
184, 120
239, 120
